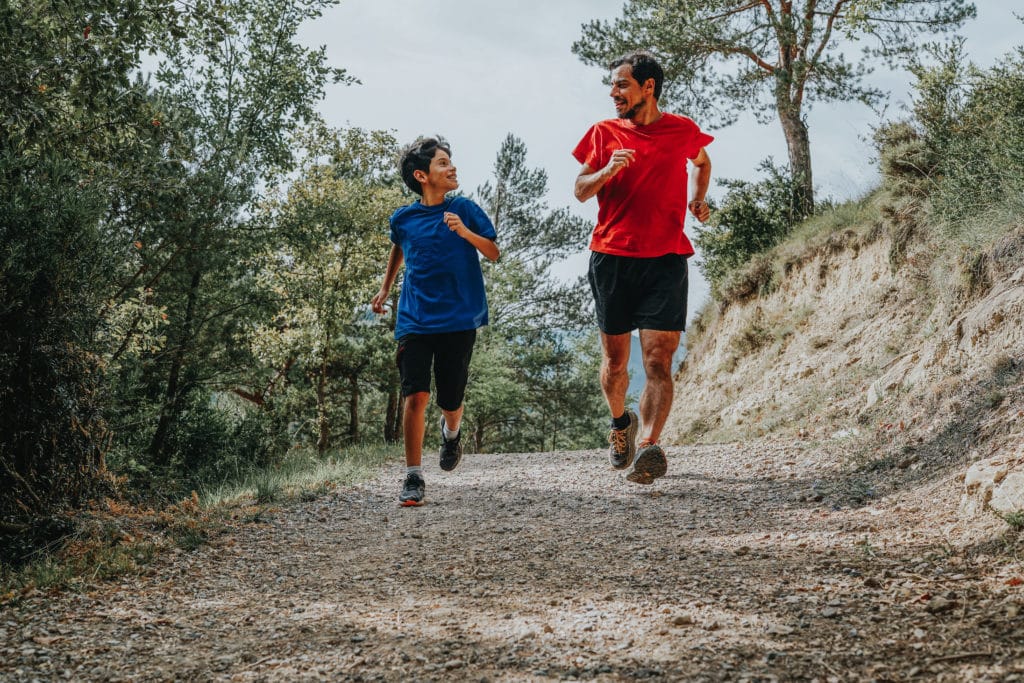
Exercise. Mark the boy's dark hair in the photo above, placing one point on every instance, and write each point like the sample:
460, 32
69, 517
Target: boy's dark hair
644, 66
417, 157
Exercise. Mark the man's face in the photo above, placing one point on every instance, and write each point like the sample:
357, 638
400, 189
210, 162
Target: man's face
442, 173
628, 95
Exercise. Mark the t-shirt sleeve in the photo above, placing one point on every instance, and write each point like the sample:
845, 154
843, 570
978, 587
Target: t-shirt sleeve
590, 150
696, 140
395, 232
476, 219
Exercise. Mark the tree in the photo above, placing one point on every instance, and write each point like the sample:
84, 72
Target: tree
233, 92
322, 276
75, 123
534, 381
724, 56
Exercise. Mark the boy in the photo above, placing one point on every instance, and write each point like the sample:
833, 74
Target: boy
442, 302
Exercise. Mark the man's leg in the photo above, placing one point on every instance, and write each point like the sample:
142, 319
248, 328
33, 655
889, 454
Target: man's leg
615, 371
658, 348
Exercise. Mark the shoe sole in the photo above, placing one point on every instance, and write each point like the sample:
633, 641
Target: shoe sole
650, 465
410, 503
631, 430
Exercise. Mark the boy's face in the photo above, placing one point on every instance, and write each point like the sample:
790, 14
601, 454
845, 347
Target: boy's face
441, 175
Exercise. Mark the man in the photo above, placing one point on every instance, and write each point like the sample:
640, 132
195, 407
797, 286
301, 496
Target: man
636, 165
442, 302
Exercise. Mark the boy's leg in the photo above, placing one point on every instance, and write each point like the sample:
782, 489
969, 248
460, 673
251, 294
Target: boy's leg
414, 360
453, 353
413, 426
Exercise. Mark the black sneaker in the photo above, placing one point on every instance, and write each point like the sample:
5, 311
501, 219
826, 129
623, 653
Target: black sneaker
451, 450
623, 443
413, 491
650, 464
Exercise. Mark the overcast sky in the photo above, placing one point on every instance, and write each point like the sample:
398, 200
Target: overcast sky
476, 70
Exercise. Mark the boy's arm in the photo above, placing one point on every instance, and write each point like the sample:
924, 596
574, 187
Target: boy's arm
395, 259
485, 246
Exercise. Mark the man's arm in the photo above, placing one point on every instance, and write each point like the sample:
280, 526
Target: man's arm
589, 182
485, 246
395, 259
698, 207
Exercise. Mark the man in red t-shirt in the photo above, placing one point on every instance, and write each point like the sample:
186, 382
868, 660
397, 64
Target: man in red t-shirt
636, 165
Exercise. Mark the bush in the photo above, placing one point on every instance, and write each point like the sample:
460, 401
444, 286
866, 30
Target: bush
753, 217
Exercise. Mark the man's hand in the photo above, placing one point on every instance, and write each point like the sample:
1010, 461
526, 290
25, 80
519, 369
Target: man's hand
621, 158
700, 209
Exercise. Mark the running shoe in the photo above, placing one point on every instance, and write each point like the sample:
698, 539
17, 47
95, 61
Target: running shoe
413, 491
451, 450
650, 464
623, 443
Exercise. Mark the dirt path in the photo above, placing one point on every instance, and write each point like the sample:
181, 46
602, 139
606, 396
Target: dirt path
550, 566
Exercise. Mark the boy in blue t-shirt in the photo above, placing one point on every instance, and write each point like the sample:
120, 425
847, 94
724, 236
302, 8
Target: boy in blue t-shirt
442, 301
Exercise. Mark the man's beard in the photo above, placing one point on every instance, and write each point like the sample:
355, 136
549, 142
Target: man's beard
631, 112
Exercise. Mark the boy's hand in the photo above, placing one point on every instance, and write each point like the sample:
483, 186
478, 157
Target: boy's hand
455, 223
377, 303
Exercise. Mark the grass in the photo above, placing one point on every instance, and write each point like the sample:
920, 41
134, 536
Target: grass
301, 474
114, 538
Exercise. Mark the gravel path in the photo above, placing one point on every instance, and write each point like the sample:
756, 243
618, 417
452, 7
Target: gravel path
552, 567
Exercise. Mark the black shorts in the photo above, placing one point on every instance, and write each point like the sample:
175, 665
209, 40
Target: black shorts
638, 293
448, 352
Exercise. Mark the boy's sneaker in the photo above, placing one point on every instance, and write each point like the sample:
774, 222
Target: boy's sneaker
451, 450
650, 464
623, 443
413, 491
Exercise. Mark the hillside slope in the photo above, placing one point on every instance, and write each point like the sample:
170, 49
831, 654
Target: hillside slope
910, 358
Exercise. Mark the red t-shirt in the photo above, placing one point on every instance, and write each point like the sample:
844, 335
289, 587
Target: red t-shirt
641, 210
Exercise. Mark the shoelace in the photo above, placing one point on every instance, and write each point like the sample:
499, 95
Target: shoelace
617, 438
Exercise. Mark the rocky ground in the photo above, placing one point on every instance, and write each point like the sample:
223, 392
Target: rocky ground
551, 567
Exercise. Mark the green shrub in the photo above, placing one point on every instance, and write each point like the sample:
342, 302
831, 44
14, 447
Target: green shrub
752, 218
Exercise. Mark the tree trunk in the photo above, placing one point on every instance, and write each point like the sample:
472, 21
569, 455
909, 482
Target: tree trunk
172, 395
323, 440
798, 143
353, 409
393, 416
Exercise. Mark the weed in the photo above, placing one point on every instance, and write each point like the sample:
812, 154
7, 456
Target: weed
1015, 520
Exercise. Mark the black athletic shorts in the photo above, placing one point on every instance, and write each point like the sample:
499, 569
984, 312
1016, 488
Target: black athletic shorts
448, 352
638, 293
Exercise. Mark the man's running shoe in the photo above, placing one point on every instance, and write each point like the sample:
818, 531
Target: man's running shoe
650, 464
451, 450
623, 443
413, 491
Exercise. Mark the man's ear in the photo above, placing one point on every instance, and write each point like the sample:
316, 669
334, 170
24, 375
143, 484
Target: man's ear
649, 81
421, 176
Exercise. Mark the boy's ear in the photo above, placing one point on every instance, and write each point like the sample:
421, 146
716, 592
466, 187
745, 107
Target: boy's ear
421, 176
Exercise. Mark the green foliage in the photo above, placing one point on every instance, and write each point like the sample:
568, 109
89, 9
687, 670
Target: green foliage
534, 377
753, 217
958, 163
318, 342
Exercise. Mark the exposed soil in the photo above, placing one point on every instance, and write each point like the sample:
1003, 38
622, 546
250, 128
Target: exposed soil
551, 566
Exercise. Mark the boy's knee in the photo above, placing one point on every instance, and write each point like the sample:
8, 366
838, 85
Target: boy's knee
418, 401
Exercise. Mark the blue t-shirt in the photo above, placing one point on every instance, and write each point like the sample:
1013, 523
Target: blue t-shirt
443, 290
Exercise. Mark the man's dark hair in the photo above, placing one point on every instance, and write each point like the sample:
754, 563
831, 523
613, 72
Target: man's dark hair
417, 157
644, 66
